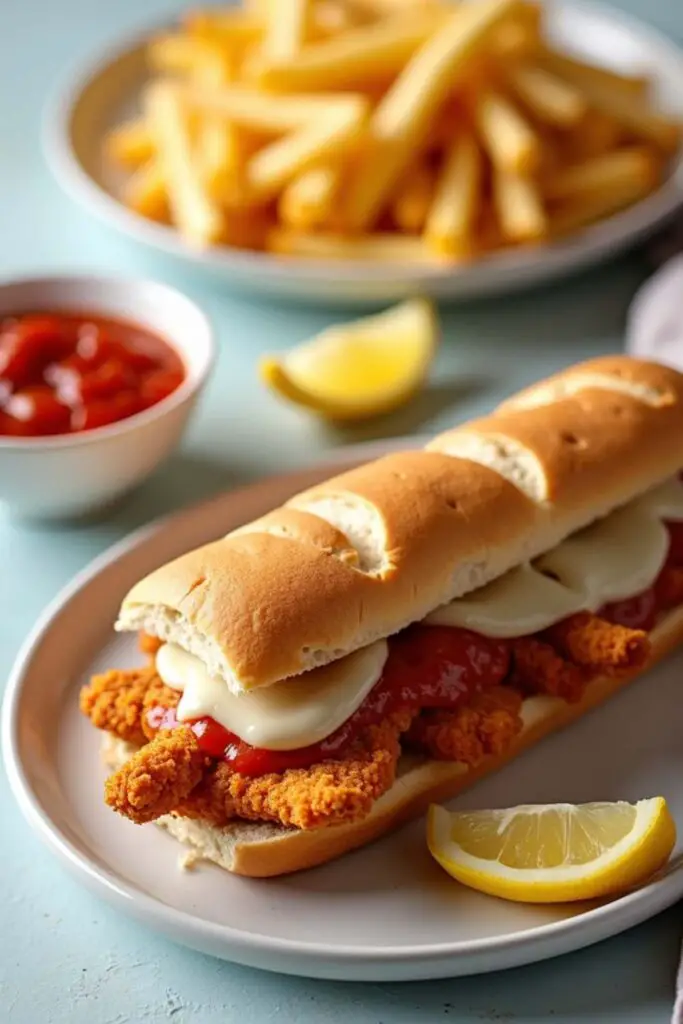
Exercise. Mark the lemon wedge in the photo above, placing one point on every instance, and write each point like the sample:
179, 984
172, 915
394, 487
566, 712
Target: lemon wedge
361, 369
553, 853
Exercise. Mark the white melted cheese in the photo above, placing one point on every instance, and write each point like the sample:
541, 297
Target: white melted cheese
285, 716
615, 558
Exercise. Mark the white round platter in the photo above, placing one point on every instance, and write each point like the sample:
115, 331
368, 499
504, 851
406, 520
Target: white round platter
386, 912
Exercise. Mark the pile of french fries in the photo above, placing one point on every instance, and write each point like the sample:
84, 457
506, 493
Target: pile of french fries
404, 131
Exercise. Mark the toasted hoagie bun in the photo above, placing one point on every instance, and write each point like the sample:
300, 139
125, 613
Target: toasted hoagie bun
363, 555
261, 849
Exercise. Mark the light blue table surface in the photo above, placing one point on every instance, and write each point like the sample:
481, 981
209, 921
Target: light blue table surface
64, 957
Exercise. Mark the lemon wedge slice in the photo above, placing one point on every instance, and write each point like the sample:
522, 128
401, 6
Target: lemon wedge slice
361, 369
553, 853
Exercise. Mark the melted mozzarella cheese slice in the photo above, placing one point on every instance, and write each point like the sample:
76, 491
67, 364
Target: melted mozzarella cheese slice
285, 716
520, 602
613, 559
664, 501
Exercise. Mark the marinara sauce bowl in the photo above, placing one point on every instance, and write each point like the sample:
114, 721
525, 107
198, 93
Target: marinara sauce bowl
66, 475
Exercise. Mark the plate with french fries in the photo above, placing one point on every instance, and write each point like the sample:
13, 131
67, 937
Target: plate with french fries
366, 150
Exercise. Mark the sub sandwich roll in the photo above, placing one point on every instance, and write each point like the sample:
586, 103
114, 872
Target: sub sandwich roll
388, 636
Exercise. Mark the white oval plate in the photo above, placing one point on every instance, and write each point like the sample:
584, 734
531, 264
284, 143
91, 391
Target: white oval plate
387, 912
106, 92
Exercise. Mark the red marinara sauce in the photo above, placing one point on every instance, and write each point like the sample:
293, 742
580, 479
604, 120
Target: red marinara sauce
63, 373
427, 667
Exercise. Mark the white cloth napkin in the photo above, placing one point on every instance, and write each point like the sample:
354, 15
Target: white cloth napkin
655, 321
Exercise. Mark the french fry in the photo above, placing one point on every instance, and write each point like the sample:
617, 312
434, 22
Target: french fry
145, 192
414, 197
375, 248
179, 54
372, 51
520, 35
196, 215
636, 168
519, 209
631, 111
266, 113
286, 28
219, 152
402, 119
587, 75
507, 136
277, 164
456, 204
235, 29
569, 217
332, 17
597, 133
130, 144
383, 8
550, 99
307, 201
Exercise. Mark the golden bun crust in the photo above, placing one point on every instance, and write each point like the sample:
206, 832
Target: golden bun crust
265, 850
364, 554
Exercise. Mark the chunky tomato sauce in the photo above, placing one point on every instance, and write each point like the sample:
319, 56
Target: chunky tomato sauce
62, 373
427, 667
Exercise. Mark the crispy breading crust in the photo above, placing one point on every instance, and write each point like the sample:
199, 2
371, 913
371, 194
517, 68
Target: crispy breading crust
538, 668
157, 777
468, 734
603, 647
171, 773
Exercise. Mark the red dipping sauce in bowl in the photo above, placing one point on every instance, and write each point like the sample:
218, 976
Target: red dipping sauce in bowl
64, 373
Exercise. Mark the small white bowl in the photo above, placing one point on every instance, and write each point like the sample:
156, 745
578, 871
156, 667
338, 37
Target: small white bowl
73, 474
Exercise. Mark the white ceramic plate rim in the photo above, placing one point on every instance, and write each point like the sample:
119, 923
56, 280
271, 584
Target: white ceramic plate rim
496, 273
484, 954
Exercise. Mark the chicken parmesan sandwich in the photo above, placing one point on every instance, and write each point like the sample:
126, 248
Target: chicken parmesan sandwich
386, 638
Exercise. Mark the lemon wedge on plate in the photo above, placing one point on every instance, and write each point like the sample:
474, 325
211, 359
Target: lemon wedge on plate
362, 369
553, 853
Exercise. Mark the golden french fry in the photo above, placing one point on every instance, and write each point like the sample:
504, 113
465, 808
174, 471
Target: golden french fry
402, 119
235, 29
519, 209
508, 138
595, 134
631, 111
145, 191
307, 202
414, 198
331, 17
130, 144
453, 213
636, 168
550, 99
372, 51
578, 213
382, 8
220, 154
268, 113
584, 74
194, 212
286, 28
275, 165
179, 54
519, 35
374, 248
